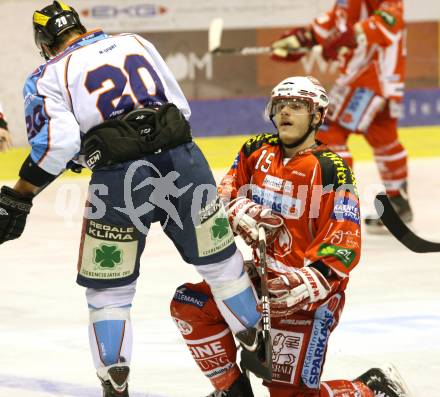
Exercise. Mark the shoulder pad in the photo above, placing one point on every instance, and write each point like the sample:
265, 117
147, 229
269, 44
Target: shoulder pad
257, 141
334, 169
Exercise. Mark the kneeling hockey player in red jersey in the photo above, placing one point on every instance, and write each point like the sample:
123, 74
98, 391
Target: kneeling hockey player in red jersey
305, 197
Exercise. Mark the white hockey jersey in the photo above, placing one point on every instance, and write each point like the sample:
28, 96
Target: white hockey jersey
97, 77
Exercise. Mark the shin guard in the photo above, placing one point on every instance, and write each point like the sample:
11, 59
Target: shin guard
110, 336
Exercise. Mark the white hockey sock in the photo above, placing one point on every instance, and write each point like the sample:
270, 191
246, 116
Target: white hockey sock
110, 336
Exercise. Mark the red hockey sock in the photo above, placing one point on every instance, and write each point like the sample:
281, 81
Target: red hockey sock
206, 334
391, 161
344, 388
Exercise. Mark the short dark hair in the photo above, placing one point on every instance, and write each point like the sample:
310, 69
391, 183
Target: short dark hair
63, 38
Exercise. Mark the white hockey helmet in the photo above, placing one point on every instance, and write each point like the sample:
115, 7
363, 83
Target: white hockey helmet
304, 88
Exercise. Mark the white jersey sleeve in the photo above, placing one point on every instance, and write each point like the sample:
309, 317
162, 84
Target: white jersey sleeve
53, 132
98, 77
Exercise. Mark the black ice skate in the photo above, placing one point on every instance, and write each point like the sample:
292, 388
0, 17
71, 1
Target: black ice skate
385, 382
116, 383
403, 209
240, 388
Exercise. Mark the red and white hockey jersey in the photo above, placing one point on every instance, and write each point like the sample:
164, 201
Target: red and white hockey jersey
314, 192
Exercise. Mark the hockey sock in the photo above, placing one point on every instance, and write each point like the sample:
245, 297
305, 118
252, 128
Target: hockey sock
344, 388
110, 336
206, 334
391, 161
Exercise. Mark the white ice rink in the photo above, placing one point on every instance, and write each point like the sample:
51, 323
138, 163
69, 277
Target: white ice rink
392, 312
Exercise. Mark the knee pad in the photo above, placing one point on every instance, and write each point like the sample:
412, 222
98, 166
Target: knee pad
222, 272
111, 297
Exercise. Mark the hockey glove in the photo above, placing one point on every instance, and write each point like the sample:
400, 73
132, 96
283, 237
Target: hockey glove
293, 45
337, 42
14, 209
291, 292
246, 217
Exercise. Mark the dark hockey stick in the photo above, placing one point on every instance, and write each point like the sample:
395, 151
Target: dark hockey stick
259, 362
215, 37
399, 230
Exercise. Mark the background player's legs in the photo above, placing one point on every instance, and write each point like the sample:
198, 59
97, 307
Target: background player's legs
207, 336
389, 154
391, 159
110, 334
335, 137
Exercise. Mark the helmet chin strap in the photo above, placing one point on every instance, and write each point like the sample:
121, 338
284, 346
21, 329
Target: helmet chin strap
302, 139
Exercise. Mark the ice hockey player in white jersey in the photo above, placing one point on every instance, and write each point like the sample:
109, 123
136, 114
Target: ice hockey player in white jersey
112, 104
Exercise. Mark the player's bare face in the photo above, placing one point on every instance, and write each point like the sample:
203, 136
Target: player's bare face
292, 120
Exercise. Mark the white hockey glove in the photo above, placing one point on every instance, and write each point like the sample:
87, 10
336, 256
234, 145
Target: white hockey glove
246, 216
291, 292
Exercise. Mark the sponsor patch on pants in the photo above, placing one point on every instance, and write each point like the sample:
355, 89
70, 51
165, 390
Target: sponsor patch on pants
213, 232
285, 354
108, 252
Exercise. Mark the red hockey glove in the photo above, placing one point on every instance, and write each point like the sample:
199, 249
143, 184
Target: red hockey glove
293, 44
246, 217
333, 45
291, 292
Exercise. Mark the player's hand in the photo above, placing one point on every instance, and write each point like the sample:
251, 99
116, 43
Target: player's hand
5, 140
14, 209
293, 44
337, 43
246, 216
291, 292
